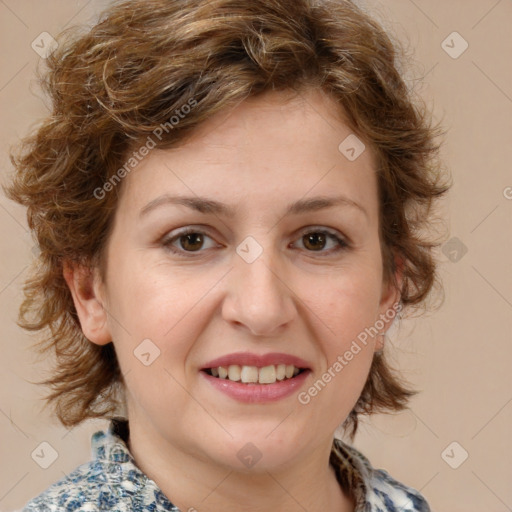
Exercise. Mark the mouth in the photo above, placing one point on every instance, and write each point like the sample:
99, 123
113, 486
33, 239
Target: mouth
269, 374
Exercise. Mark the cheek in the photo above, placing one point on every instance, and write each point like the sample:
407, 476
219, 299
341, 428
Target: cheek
156, 303
347, 312
347, 303
155, 319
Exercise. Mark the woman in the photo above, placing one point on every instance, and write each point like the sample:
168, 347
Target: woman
228, 198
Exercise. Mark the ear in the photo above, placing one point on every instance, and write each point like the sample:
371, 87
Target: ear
87, 292
389, 306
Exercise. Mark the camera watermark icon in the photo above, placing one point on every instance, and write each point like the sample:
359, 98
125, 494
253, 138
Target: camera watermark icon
44, 45
249, 455
454, 45
44, 455
454, 455
454, 249
147, 352
249, 250
351, 147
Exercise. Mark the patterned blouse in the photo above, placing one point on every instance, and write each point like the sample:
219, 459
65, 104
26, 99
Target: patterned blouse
113, 481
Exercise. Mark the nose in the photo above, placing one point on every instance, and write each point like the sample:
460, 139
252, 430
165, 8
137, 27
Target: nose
259, 298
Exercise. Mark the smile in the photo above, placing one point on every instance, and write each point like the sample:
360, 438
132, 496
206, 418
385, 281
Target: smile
269, 374
256, 378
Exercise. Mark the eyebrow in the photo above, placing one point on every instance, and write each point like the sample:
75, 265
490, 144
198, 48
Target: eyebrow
210, 206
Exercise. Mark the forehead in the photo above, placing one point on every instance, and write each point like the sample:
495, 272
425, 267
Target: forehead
271, 147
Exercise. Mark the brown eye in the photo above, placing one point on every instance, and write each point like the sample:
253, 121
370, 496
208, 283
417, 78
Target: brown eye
191, 242
188, 241
323, 242
314, 241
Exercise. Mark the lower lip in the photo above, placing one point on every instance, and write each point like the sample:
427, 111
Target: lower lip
257, 393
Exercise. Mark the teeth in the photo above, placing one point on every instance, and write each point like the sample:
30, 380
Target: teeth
252, 374
249, 374
234, 372
267, 374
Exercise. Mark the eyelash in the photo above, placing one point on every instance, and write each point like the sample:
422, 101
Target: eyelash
168, 241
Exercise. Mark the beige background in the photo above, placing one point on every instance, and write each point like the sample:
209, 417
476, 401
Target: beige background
459, 357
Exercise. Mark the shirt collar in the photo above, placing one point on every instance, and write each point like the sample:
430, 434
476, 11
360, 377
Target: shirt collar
111, 445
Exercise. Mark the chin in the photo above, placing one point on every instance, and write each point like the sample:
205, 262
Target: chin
254, 450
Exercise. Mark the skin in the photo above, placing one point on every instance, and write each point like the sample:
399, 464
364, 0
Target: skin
259, 157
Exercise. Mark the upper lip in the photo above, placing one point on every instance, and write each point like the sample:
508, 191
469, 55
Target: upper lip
250, 359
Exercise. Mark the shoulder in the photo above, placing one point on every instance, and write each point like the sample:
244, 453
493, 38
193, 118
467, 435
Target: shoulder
76, 491
102, 484
395, 495
91, 486
382, 491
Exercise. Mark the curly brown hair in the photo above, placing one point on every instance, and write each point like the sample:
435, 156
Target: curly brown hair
119, 84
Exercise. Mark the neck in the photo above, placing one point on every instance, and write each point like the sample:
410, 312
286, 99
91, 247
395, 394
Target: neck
193, 484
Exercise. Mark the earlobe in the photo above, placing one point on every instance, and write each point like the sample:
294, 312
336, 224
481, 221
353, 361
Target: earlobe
84, 284
390, 301
392, 288
381, 341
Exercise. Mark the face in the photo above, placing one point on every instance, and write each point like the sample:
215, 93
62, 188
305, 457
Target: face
261, 275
